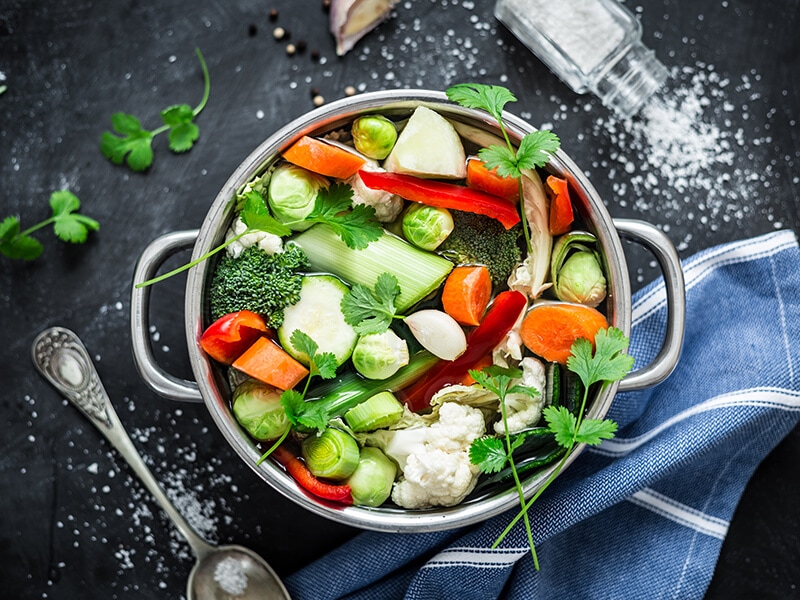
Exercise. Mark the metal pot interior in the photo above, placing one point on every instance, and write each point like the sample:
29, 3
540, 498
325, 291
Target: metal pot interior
212, 380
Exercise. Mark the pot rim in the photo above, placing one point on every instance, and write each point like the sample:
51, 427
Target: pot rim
210, 380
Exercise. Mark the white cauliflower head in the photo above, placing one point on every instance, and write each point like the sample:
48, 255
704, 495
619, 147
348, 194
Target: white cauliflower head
268, 242
523, 410
387, 206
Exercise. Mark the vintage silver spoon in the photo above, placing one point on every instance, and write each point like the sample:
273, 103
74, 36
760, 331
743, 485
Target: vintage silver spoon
220, 572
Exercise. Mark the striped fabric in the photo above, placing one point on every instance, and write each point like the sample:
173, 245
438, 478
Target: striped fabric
642, 515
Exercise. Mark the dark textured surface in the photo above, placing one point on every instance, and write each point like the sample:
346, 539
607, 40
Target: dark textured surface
75, 524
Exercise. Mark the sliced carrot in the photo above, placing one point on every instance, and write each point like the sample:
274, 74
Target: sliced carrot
466, 294
561, 214
550, 330
268, 362
323, 158
486, 361
481, 178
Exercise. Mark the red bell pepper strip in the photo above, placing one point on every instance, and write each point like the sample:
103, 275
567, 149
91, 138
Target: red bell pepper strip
499, 320
228, 337
298, 470
442, 195
561, 215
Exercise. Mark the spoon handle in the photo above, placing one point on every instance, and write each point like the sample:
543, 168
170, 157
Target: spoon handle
62, 359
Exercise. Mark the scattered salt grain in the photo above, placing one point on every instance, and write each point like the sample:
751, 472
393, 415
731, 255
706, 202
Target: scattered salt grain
230, 576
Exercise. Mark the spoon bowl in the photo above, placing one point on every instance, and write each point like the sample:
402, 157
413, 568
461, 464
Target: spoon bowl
219, 571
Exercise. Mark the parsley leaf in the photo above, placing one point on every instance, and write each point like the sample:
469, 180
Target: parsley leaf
562, 423
309, 415
322, 364
609, 362
371, 311
68, 225
255, 215
132, 144
536, 148
489, 453
491, 98
356, 225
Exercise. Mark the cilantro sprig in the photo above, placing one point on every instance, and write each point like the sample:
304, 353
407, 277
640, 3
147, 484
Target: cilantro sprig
308, 415
535, 149
68, 225
372, 310
132, 144
355, 224
607, 363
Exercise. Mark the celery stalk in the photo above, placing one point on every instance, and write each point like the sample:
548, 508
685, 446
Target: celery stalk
418, 272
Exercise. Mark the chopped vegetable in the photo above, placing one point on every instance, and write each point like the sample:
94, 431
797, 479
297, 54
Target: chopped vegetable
371, 483
321, 157
418, 272
426, 226
68, 225
376, 412
259, 282
478, 239
268, 362
443, 195
481, 178
438, 333
374, 136
530, 277
228, 337
466, 294
575, 269
300, 473
561, 214
499, 320
550, 330
428, 146
257, 407
333, 454
380, 355
292, 193
350, 20
317, 314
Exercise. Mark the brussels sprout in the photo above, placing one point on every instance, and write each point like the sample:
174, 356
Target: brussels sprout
427, 226
292, 194
371, 482
374, 136
380, 355
576, 268
257, 407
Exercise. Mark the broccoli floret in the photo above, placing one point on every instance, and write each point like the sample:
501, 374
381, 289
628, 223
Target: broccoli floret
478, 239
258, 282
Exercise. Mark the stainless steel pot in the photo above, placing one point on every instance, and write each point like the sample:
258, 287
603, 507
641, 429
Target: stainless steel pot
211, 385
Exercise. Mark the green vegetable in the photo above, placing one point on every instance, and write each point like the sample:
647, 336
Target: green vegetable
292, 193
257, 407
132, 143
374, 136
356, 224
316, 313
576, 271
372, 310
380, 355
256, 281
478, 239
68, 225
376, 412
426, 226
333, 454
608, 363
371, 482
418, 272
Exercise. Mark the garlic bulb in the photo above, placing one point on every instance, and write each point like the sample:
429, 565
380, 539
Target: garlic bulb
438, 332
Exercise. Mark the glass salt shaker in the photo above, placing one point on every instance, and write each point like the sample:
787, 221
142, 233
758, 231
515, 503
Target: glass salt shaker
591, 45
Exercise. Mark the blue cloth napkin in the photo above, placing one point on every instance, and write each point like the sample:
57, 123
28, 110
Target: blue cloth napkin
642, 515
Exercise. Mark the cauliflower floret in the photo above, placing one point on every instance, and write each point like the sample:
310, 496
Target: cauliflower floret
268, 242
434, 459
523, 410
510, 349
387, 206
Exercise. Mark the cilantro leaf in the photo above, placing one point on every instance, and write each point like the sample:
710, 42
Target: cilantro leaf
609, 363
501, 158
132, 144
491, 98
9, 228
536, 149
322, 364
255, 215
562, 423
489, 453
16, 246
356, 225
593, 431
183, 133
310, 415
371, 311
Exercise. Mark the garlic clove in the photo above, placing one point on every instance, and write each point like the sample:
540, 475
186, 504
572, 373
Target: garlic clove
350, 20
438, 332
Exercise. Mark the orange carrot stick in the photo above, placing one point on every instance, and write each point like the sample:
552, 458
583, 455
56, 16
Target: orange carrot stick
550, 330
323, 158
466, 294
561, 214
268, 362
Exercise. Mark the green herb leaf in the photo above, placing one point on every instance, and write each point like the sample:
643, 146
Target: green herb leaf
593, 431
562, 423
132, 144
322, 364
609, 363
371, 311
255, 215
70, 227
183, 133
16, 246
356, 225
501, 158
310, 415
491, 98
489, 453
536, 149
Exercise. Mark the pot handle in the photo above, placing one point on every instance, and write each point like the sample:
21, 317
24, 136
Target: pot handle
161, 382
669, 261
